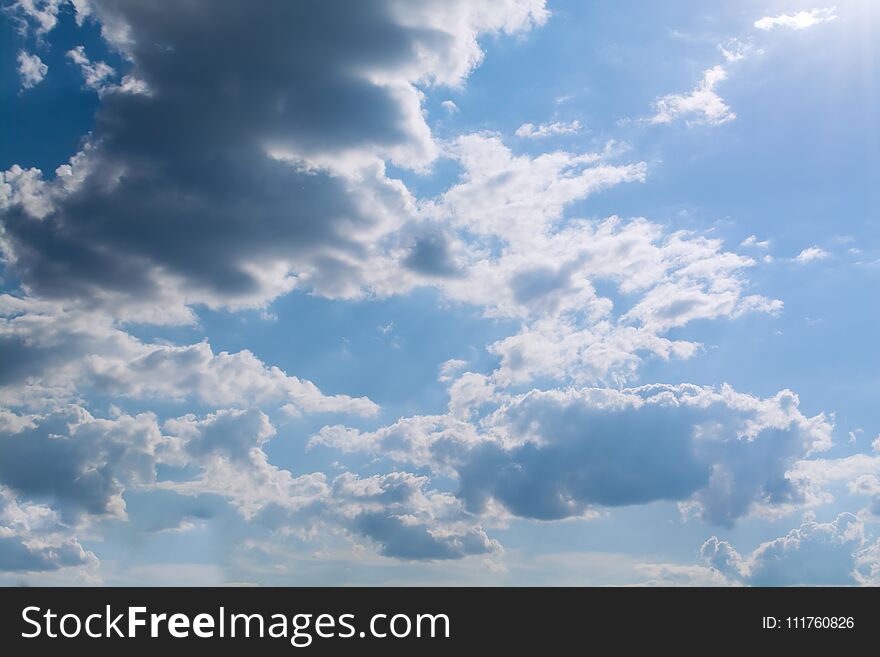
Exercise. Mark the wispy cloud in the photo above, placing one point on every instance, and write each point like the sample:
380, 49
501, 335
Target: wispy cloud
798, 21
703, 104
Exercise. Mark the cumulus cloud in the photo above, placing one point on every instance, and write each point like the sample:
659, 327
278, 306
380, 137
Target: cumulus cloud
859, 473
222, 178
42, 15
547, 276
702, 105
753, 241
84, 465
96, 75
532, 131
517, 196
560, 453
396, 512
736, 50
814, 554
33, 539
246, 172
52, 356
81, 463
31, 69
799, 21
811, 254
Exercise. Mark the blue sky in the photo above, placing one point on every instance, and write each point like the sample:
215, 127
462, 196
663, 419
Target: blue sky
441, 292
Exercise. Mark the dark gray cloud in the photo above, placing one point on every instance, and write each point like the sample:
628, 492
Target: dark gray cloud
181, 189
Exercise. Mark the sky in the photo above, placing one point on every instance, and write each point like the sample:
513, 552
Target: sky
449, 292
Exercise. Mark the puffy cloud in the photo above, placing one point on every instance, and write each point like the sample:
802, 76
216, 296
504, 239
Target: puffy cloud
80, 463
449, 106
547, 275
547, 267
31, 69
799, 21
560, 453
395, 511
753, 241
736, 50
703, 104
667, 574
814, 554
226, 448
810, 254
859, 472
43, 14
372, 234
52, 356
95, 74
406, 521
246, 172
532, 131
33, 539
449, 368
84, 465
518, 196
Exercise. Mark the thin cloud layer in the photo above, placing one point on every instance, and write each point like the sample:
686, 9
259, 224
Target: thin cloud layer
31, 69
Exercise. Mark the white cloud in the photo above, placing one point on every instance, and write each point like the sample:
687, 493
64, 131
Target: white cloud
518, 196
449, 368
798, 21
25, 187
449, 106
532, 131
814, 554
753, 241
812, 253
736, 50
31, 69
561, 453
548, 265
331, 235
500, 239
221, 454
33, 538
667, 574
703, 104
82, 464
96, 75
56, 355
42, 13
